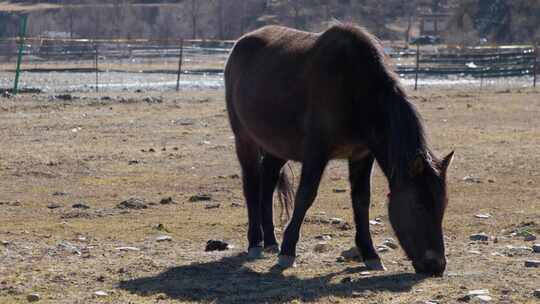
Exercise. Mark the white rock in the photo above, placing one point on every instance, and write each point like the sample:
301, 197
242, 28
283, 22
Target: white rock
163, 238
536, 248
483, 215
390, 243
101, 293
478, 292
482, 299
517, 250
336, 220
383, 248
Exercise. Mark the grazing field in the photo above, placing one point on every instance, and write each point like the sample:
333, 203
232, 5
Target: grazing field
66, 164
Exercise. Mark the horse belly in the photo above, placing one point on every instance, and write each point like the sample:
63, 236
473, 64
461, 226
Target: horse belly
277, 130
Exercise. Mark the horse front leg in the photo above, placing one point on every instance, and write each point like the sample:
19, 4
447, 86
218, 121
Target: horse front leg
312, 169
360, 179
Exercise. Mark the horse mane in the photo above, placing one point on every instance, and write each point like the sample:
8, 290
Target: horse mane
405, 133
403, 128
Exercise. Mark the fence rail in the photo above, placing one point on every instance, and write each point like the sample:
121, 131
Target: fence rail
156, 56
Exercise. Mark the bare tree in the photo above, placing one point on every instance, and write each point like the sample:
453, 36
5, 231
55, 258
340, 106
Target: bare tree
220, 12
194, 12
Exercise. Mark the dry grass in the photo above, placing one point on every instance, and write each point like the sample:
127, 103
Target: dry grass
496, 136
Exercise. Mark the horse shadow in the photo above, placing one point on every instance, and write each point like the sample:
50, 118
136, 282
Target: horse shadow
228, 280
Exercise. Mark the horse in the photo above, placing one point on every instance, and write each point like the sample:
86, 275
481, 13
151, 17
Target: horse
314, 97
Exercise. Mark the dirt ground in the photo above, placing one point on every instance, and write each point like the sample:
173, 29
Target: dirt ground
98, 152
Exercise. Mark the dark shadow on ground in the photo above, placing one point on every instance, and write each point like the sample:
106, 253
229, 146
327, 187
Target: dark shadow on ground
229, 281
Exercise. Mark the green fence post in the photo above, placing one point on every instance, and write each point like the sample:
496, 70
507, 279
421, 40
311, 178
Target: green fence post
24, 20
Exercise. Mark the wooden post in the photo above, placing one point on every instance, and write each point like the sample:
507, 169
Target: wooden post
417, 66
535, 65
179, 72
96, 65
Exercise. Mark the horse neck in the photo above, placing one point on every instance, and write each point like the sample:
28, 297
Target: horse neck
401, 138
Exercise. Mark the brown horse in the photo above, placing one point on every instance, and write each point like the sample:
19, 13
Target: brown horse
307, 97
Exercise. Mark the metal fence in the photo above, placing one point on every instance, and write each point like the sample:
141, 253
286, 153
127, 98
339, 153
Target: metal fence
109, 65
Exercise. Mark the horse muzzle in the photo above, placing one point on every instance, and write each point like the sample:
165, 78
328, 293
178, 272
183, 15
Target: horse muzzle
432, 264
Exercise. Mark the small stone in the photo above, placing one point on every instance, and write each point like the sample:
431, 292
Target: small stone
481, 299
537, 293
375, 222
472, 179
127, 248
483, 215
478, 292
133, 162
336, 221
346, 280
167, 201
101, 293
536, 248
530, 238
216, 245
473, 294
517, 250
236, 205
200, 198
5, 243
80, 206
338, 190
532, 263
351, 254
321, 247
151, 150
382, 248
164, 238
212, 206
54, 206
390, 243
184, 122
345, 226
324, 237
132, 203
340, 259
482, 237
59, 193
33, 297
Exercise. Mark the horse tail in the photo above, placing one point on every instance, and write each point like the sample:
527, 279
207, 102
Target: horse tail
285, 194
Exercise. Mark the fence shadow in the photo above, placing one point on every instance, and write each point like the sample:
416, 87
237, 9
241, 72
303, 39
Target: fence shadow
229, 281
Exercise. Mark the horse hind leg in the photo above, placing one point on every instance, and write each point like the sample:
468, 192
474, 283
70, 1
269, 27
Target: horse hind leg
249, 158
269, 174
360, 179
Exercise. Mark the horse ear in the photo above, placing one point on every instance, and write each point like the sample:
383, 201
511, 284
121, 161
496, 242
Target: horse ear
447, 161
417, 166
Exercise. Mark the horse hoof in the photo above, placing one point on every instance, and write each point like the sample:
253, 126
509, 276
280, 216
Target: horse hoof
255, 253
375, 264
272, 249
286, 261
